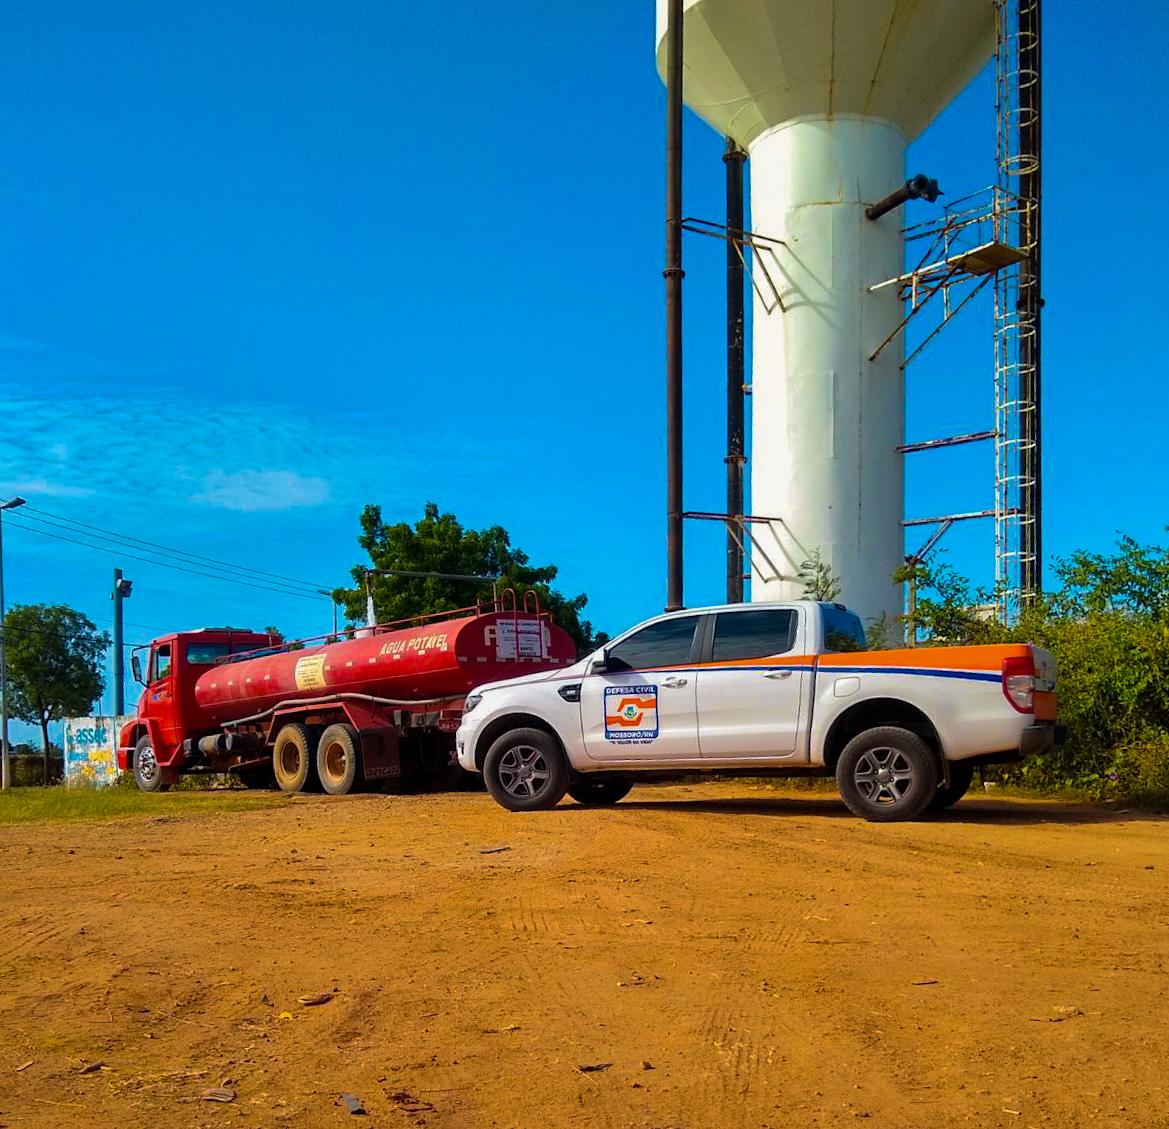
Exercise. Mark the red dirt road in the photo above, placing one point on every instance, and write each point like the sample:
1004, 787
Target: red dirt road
722, 955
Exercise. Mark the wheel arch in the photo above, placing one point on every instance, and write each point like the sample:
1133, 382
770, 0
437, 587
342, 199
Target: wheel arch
874, 712
496, 728
166, 755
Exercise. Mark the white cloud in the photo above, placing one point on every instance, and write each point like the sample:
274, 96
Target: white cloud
42, 488
253, 491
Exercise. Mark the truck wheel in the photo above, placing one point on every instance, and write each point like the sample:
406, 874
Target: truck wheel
526, 771
598, 793
339, 759
148, 775
887, 774
961, 776
292, 758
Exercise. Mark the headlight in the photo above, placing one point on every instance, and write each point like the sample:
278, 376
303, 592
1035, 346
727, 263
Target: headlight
472, 701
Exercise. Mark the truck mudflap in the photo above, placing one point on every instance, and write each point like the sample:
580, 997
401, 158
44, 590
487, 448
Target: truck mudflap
1042, 738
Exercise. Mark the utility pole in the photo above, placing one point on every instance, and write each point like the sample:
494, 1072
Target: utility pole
5, 761
734, 158
122, 588
674, 275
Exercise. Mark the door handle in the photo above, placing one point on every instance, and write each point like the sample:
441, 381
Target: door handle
778, 674
673, 682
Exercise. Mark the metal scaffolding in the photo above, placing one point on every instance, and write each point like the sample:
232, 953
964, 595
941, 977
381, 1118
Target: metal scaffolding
991, 239
1017, 305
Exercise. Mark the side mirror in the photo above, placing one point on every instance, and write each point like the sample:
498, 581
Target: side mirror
136, 669
599, 663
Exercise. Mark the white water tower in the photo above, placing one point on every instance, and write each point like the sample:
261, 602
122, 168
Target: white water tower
824, 96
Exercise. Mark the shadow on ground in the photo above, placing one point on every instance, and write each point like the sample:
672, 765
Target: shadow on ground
974, 810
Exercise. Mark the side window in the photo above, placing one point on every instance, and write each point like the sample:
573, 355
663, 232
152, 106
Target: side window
666, 643
753, 635
843, 630
160, 662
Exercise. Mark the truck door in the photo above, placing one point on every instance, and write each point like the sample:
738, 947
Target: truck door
751, 691
643, 706
160, 695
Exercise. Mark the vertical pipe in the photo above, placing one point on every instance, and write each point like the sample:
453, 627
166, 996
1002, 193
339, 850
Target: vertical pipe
1029, 46
733, 158
911, 604
674, 275
119, 665
5, 761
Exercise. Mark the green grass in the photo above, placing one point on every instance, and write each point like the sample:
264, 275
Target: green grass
44, 805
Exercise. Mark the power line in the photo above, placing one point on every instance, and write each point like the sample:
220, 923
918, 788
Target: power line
182, 554
163, 563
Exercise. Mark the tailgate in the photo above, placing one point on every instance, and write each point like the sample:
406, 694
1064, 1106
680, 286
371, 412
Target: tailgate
1045, 702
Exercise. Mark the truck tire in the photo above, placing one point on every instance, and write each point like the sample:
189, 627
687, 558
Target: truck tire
887, 774
525, 770
339, 759
148, 774
292, 758
961, 777
594, 793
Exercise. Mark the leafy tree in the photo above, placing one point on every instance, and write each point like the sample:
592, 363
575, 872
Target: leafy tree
54, 665
947, 610
437, 542
818, 579
1106, 620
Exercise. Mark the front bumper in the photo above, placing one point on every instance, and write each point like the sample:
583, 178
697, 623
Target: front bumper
465, 748
1038, 739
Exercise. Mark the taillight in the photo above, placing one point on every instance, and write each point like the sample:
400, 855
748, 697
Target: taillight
1019, 682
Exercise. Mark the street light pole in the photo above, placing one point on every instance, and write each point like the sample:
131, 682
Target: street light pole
122, 588
5, 762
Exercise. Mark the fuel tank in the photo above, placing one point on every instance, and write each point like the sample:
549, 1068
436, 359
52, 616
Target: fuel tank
442, 659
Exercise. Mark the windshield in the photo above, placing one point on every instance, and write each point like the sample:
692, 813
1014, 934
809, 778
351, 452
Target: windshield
205, 654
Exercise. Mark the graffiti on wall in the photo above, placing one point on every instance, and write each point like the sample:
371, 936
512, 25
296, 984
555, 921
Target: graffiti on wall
89, 745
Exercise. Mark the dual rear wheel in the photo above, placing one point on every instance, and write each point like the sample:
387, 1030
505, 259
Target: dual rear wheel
302, 761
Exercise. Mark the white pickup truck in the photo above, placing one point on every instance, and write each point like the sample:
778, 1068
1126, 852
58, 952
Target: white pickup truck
758, 690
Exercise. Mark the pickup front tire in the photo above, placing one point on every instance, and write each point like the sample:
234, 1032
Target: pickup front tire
525, 770
887, 774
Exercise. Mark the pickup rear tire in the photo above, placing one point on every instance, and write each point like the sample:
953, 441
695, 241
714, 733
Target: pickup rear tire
525, 770
339, 759
598, 793
887, 774
292, 758
961, 777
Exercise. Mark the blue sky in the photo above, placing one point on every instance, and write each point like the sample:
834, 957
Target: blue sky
262, 263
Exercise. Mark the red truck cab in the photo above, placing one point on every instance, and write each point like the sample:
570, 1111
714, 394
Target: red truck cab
167, 712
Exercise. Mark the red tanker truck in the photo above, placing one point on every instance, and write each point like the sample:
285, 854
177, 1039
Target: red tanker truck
380, 706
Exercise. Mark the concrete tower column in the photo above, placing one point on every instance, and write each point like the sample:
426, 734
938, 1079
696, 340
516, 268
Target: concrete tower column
824, 98
826, 419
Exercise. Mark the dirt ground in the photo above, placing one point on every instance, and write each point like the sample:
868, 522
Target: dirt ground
719, 955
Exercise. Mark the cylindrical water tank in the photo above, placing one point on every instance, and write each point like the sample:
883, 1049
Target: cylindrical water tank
442, 659
824, 98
